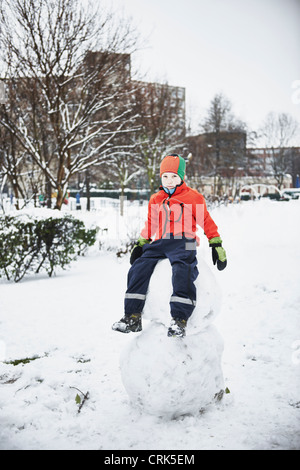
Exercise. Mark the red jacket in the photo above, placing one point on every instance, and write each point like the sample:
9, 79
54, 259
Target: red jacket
178, 214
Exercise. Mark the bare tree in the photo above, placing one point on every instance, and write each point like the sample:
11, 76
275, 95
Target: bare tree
219, 121
161, 118
277, 132
17, 170
72, 101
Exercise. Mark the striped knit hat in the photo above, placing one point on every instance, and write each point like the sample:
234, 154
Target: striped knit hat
173, 163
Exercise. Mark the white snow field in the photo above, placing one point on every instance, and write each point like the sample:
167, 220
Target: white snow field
64, 322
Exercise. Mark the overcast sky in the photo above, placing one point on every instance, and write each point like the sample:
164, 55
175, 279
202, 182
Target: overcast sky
247, 49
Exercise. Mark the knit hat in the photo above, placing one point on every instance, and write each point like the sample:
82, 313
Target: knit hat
173, 163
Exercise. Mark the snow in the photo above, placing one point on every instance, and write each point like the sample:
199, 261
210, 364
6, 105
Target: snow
171, 379
65, 321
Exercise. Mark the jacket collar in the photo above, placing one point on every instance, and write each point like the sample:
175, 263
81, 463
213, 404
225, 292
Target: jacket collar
179, 188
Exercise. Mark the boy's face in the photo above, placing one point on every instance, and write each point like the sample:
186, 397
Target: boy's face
170, 180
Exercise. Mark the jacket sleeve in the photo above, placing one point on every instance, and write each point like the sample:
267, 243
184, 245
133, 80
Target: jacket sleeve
151, 223
206, 222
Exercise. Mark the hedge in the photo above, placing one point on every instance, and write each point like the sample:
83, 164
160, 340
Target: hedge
29, 244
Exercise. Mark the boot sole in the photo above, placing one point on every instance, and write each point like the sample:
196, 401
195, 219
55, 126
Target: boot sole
126, 330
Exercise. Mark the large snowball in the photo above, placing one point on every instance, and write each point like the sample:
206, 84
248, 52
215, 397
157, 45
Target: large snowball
173, 376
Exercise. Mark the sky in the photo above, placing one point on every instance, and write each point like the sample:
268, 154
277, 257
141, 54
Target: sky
246, 49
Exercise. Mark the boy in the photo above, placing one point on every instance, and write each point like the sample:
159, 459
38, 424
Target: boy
173, 214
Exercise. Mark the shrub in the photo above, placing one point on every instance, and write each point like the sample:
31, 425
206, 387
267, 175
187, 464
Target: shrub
31, 244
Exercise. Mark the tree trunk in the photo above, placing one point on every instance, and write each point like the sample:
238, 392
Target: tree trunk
49, 194
59, 198
122, 197
88, 195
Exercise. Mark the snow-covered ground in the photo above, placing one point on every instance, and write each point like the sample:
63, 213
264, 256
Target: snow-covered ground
65, 321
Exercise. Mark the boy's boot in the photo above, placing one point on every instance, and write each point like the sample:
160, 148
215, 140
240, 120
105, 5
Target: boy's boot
177, 328
129, 323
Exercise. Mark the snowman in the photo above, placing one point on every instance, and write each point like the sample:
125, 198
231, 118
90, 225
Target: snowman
173, 377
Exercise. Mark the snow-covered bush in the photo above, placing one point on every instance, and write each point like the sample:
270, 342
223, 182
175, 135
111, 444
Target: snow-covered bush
31, 244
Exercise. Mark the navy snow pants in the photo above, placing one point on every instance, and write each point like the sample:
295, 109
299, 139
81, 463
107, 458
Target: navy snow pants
182, 256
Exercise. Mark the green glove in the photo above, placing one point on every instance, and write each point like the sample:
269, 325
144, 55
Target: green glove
218, 253
137, 250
